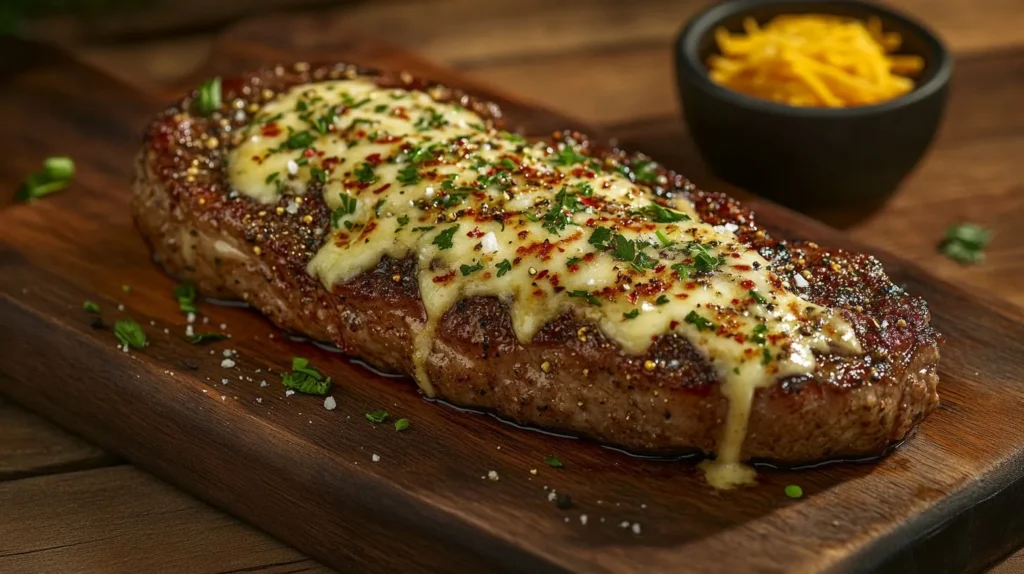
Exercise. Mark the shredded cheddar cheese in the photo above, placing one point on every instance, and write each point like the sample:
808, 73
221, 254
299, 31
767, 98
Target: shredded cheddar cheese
814, 60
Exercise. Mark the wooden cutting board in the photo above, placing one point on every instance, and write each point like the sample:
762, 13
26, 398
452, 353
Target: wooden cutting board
946, 501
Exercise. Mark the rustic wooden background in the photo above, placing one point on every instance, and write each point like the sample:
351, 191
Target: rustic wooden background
67, 506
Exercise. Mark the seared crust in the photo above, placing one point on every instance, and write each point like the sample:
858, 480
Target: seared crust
570, 377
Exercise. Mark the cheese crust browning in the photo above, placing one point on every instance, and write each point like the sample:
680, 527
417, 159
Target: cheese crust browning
584, 367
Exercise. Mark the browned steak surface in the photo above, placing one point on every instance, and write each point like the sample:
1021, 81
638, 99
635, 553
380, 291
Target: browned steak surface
570, 377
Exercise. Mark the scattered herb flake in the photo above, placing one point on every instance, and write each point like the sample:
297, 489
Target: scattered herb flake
469, 269
966, 243
661, 300
587, 295
444, 239
554, 462
701, 323
377, 417
758, 297
364, 173
130, 333
186, 297
661, 214
794, 491
504, 267
305, 379
91, 307
208, 98
401, 424
631, 314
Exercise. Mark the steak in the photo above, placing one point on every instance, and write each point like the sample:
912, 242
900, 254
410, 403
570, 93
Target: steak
570, 376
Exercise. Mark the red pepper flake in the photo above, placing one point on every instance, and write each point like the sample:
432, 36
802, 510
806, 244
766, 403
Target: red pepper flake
543, 273
632, 297
475, 233
739, 338
386, 139
522, 234
554, 280
447, 277
381, 189
309, 152
747, 284
673, 324
735, 255
330, 163
374, 159
270, 130
742, 267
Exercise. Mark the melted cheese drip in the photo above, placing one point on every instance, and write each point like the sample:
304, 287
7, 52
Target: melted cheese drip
543, 229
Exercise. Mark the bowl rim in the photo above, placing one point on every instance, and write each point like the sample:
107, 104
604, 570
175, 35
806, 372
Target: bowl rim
689, 65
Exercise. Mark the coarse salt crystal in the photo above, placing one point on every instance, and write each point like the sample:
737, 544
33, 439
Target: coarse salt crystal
223, 381
191, 317
375, 458
293, 168
800, 281
227, 363
259, 400
223, 326
492, 475
330, 404
264, 384
646, 306
583, 519
624, 524
489, 243
429, 192
228, 352
188, 331
636, 528
289, 393
552, 496
120, 307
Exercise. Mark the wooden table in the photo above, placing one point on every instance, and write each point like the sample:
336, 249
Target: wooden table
68, 506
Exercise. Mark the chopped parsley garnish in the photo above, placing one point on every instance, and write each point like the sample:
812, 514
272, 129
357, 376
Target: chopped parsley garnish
701, 323
129, 334
766, 356
305, 379
661, 300
531, 216
683, 270
469, 269
272, 177
556, 218
380, 108
645, 171
91, 307
508, 164
348, 207
586, 190
318, 174
504, 267
432, 119
401, 424
377, 417
600, 237
364, 173
587, 295
567, 156
622, 248
376, 207
758, 335
661, 214
794, 491
55, 176
299, 140
208, 98
444, 239
573, 261
403, 221
199, 338
631, 314
554, 462
126, 288
758, 297
409, 175
966, 243
186, 296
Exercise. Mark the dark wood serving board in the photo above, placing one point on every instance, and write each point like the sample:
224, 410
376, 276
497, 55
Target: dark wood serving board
948, 500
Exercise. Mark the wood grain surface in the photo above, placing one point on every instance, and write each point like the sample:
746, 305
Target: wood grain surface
989, 38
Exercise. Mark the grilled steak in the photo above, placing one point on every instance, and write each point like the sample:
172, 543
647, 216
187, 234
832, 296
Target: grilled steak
246, 203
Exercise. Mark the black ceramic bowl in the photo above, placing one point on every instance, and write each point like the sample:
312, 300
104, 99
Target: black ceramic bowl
810, 157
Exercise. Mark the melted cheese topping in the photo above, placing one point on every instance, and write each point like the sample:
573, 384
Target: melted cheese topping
545, 229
